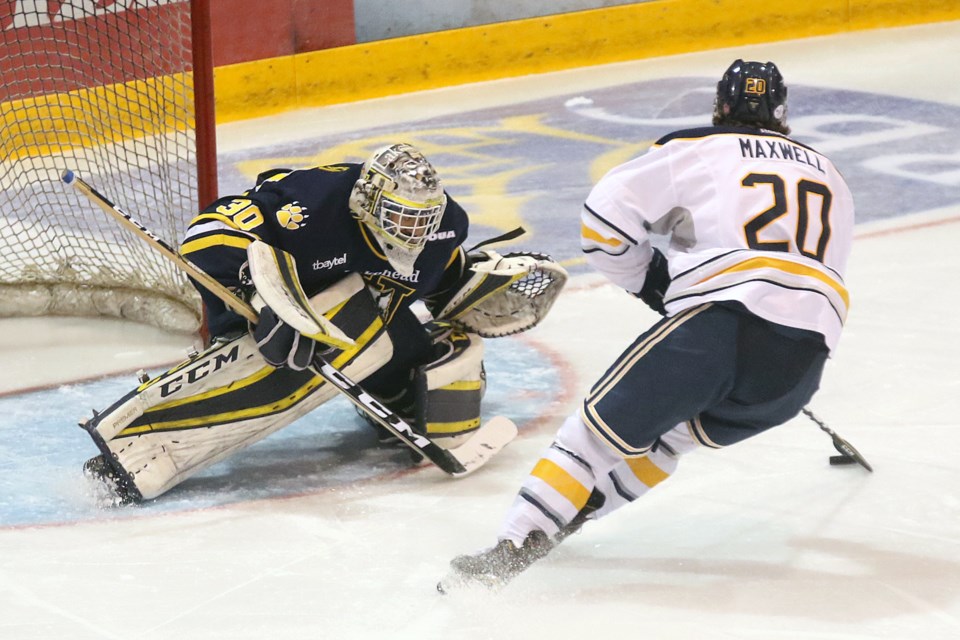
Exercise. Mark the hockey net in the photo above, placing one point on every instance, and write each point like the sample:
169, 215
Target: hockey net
105, 88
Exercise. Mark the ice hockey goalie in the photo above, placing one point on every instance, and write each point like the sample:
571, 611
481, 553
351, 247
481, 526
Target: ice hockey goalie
366, 242
228, 397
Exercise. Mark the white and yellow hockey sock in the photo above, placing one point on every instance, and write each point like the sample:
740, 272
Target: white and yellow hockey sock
574, 465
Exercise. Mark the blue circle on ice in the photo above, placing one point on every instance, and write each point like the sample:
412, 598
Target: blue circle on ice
43, 449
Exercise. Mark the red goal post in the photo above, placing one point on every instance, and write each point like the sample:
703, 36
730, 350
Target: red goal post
119, 91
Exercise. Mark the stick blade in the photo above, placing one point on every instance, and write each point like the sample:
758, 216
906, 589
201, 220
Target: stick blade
848, 452
489, 439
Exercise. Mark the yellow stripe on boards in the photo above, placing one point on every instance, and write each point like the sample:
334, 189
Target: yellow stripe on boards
445, 58
561, 481
95, 116
549, 43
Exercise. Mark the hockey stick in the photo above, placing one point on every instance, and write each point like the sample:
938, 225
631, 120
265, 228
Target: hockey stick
848, 454
459, 461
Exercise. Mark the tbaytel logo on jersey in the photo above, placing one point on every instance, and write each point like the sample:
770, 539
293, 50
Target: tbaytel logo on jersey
336, 261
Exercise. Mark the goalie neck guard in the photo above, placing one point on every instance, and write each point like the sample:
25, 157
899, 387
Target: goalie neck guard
400, 199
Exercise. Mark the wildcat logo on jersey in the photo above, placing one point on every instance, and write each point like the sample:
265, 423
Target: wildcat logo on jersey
291, 216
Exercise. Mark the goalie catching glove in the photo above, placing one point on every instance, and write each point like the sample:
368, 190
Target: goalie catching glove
502, 295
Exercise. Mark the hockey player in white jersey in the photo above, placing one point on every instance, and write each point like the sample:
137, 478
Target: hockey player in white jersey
753, 301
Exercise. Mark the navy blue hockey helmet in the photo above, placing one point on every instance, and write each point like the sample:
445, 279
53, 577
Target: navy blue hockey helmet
753, 94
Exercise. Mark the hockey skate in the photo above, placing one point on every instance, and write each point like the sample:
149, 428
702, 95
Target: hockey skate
115, 488
496, 566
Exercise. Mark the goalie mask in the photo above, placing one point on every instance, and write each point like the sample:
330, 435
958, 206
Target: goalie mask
400, 199
753, 94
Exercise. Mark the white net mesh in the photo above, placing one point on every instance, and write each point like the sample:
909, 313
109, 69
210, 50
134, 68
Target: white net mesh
108, 93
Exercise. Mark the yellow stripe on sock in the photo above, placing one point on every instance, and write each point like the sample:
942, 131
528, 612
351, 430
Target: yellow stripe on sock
562, 482
647, 472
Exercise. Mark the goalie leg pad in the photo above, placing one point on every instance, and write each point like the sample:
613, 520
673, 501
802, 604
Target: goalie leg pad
450, 390
224, 400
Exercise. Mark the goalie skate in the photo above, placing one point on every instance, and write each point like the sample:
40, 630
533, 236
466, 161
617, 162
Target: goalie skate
112, 487
497, 566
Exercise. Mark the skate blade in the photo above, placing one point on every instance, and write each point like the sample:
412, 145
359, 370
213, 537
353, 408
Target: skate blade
456, 582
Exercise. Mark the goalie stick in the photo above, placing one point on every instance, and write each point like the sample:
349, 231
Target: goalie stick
490, 438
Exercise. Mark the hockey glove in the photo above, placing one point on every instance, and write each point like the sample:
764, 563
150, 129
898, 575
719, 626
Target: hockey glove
656, 283
280, 344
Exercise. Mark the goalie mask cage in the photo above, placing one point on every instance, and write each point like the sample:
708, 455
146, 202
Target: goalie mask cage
121, 92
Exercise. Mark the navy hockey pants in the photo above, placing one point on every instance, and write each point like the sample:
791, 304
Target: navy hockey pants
724, 371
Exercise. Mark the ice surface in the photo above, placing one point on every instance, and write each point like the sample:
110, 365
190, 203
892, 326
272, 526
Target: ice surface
314, 533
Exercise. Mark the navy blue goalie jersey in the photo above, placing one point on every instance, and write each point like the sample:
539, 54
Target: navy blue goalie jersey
306, 213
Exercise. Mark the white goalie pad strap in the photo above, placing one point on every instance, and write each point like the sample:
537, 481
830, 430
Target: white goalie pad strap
527, 286
274, 274
463, 361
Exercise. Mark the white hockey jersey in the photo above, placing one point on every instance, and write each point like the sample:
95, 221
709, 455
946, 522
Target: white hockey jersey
751, 216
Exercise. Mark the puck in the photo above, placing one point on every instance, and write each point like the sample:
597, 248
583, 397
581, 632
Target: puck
841, 460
